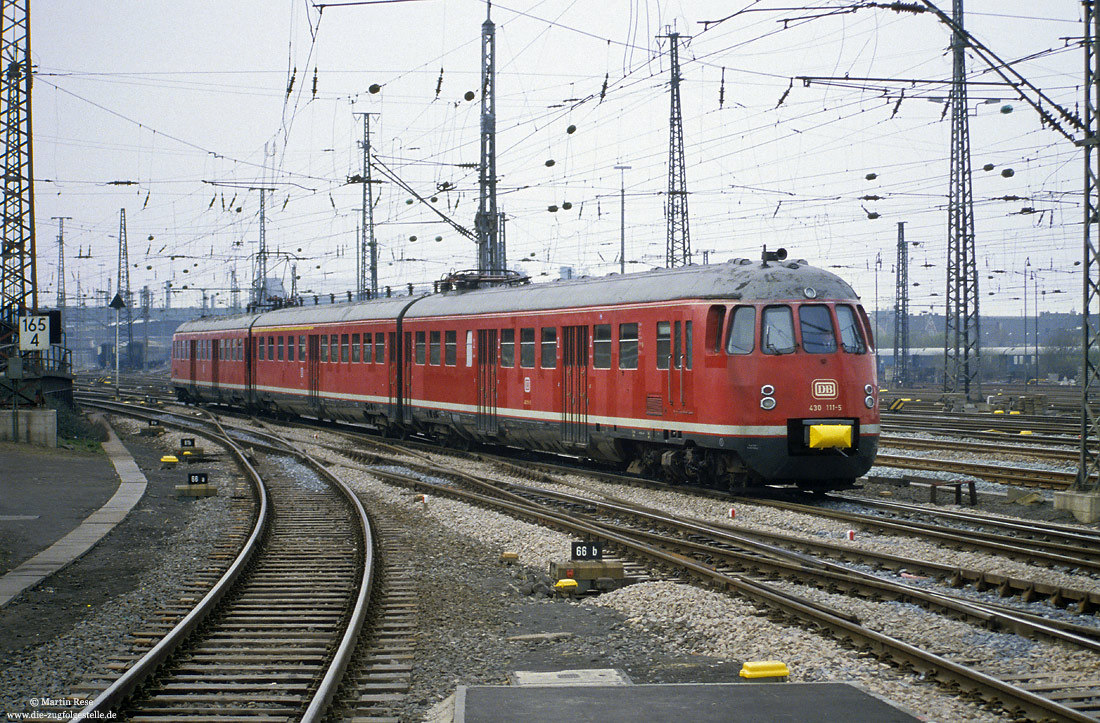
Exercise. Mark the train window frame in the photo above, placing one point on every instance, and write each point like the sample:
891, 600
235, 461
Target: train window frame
601, 346
664, 344
421, 347
345, 356
815, 338
355, 341
527, 347
434, 347
260, 353
689, 345
854, 325
379, 347
766, 327
271, 348
368, 347
868, 335
628, 345
301, 347
508, 348
334, 348
469, 348
450, 347
279, 349
240, 349
324, 347
548, 348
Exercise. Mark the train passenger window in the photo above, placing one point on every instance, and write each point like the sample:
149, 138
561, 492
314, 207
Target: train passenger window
420, 347
469, 347
549, 356
817, 329
450, 348
271, 348
302, 348
866, 327
777, 335
240, 349
368, 351
601, 346
355, 348
527, 348
324, 347
344, 355
677, 339
379, 348
260, 349
851, 339
664, 344
628, 346
290, 348
508, 347
334, 348
433, 348
279, 348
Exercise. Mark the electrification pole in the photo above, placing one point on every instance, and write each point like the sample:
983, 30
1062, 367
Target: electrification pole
678, 243
962, 345
490, 245
61, 259
1089, 453
124, 286
368, 245
622, 217
901, 312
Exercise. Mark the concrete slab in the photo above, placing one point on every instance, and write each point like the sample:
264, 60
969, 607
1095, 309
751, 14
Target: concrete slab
1085, 506
587, 676
85, 535
699, 703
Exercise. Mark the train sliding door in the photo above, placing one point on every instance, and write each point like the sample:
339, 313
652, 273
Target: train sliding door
675, 352
193, 360
313, 370
215, 371
487, 381
574, 385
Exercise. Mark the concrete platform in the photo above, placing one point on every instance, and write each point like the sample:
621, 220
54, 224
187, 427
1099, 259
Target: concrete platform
54, 508
698, 703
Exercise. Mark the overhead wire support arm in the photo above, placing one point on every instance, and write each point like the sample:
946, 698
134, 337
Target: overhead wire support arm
385, 170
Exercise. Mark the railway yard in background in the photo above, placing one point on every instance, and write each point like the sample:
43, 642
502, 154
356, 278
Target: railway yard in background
339, 574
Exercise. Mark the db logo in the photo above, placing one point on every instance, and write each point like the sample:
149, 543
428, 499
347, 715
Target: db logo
825, 389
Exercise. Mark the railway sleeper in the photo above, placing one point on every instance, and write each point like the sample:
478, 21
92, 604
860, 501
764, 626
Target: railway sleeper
1084, 602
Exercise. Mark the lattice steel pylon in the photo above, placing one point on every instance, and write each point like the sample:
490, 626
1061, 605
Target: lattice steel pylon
678, 243
1089, 457
491, 254
18, 275
368, 244
124, 285
962, 345
901, 312
61, 259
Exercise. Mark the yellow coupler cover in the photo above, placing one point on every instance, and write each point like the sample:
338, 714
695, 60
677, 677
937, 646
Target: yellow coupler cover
772, 669
824, 436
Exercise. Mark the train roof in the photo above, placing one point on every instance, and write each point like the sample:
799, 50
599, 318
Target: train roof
739, 279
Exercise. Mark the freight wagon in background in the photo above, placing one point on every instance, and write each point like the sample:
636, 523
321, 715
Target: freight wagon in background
731, 375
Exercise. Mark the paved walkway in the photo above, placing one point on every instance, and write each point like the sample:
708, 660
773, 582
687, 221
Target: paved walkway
130, 490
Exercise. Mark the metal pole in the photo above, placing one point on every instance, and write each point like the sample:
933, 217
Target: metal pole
622, 217
116, 354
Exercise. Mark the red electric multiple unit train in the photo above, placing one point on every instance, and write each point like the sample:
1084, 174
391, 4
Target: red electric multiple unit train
735, 374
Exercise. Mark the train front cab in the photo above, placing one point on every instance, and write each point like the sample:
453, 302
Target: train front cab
805, 374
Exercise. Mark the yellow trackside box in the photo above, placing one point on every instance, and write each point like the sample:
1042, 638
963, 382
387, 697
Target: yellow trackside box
826, 436
761, 670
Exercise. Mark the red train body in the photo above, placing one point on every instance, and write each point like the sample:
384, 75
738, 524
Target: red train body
733, 374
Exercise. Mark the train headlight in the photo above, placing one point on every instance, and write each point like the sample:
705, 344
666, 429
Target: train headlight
767, 390
868, 389
767, 403
869, 402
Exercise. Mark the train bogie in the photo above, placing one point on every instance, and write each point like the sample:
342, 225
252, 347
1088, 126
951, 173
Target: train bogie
733, 375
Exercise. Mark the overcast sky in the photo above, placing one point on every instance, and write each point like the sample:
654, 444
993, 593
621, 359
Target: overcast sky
174, 111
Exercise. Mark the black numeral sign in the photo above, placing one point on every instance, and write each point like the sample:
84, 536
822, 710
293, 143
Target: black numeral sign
587, 551
187, 442
197, 478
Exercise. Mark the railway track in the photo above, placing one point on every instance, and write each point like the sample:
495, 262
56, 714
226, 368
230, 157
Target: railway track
272, 637
733, 562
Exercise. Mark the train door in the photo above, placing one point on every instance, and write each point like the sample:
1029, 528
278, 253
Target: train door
215, 350
574, 385
675, 359
193, 361
487, 381
313, 369
391, 367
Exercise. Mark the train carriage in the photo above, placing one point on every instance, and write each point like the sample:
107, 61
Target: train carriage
733, 374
